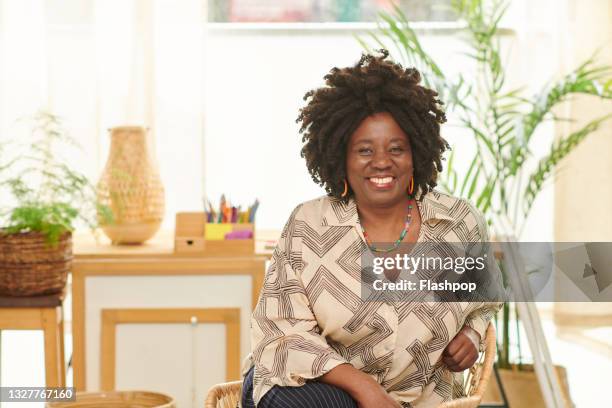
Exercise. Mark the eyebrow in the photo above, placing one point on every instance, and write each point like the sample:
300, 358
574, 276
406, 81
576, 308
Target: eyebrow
394, 140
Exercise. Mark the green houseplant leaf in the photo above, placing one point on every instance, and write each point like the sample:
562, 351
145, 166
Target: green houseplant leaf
48, 195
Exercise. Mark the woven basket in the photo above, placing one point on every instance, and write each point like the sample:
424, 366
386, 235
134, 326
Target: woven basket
29, 266
117, 399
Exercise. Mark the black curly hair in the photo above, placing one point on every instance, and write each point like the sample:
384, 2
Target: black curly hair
371, 86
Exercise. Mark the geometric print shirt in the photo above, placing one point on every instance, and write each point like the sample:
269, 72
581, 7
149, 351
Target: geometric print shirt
310, 316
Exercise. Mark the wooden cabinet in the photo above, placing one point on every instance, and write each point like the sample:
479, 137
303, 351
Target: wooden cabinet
146, 318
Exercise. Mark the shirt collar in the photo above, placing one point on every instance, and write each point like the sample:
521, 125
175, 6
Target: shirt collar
336, 212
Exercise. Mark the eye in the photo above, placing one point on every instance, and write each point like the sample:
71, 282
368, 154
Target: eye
397, 149
364, 151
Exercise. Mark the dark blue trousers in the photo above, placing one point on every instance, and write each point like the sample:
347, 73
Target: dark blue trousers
313, 394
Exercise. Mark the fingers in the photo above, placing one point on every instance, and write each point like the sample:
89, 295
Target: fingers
453, 346
460, 364
460, 353
458, 347
462, 350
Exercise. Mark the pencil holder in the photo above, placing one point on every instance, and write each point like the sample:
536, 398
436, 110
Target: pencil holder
227, 239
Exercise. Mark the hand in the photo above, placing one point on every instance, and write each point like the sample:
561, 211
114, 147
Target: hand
462, 351
375, 396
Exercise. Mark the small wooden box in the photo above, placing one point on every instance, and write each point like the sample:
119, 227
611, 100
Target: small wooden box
189, 233
190, 237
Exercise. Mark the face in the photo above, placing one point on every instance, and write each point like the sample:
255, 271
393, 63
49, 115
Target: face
379, 162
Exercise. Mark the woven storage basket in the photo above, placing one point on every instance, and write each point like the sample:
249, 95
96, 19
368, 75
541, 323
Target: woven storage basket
30, 266
117, 399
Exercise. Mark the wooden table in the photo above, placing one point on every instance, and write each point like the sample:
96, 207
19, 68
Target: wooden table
40, 313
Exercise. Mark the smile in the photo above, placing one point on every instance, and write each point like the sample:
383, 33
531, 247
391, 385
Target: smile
382, 182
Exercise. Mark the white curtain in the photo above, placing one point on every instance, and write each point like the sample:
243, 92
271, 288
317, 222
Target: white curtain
105, 63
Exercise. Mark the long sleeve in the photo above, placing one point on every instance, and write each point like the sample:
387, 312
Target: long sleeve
288, 348
479, 319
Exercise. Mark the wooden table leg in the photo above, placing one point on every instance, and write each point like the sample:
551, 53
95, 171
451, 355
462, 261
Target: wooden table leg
62, 357
52, 347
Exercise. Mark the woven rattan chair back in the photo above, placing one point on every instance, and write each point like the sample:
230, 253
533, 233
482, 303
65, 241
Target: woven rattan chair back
225, 395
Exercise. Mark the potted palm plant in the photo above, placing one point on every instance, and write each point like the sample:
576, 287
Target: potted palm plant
43, 200
502, 124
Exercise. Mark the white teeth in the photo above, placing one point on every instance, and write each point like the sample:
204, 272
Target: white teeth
384, 180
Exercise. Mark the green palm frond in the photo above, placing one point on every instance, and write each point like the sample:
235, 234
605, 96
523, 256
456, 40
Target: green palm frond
394, 29
587, 79
558, 151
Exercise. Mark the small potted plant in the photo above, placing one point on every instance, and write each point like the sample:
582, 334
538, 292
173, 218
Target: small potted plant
43, 199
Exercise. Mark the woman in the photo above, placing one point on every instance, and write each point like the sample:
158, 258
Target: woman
372, 140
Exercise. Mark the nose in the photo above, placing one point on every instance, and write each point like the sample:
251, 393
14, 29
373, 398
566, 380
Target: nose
381, 160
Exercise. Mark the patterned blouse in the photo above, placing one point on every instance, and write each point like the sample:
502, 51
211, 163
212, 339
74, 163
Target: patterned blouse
311, 317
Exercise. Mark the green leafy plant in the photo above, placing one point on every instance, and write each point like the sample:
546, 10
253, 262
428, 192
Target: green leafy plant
43, 193
504, 177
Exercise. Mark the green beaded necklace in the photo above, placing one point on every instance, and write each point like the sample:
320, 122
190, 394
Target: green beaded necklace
399, 240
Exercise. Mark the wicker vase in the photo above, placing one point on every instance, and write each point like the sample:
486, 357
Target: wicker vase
131, 187
29, 266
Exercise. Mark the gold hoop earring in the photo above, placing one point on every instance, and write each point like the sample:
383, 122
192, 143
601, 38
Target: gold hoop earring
345, 192
411, 189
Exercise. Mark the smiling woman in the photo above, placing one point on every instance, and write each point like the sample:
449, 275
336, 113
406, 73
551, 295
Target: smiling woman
340, 123
372, 140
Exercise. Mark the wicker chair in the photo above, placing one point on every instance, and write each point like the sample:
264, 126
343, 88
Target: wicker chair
478, 376
224, 395
227, 395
